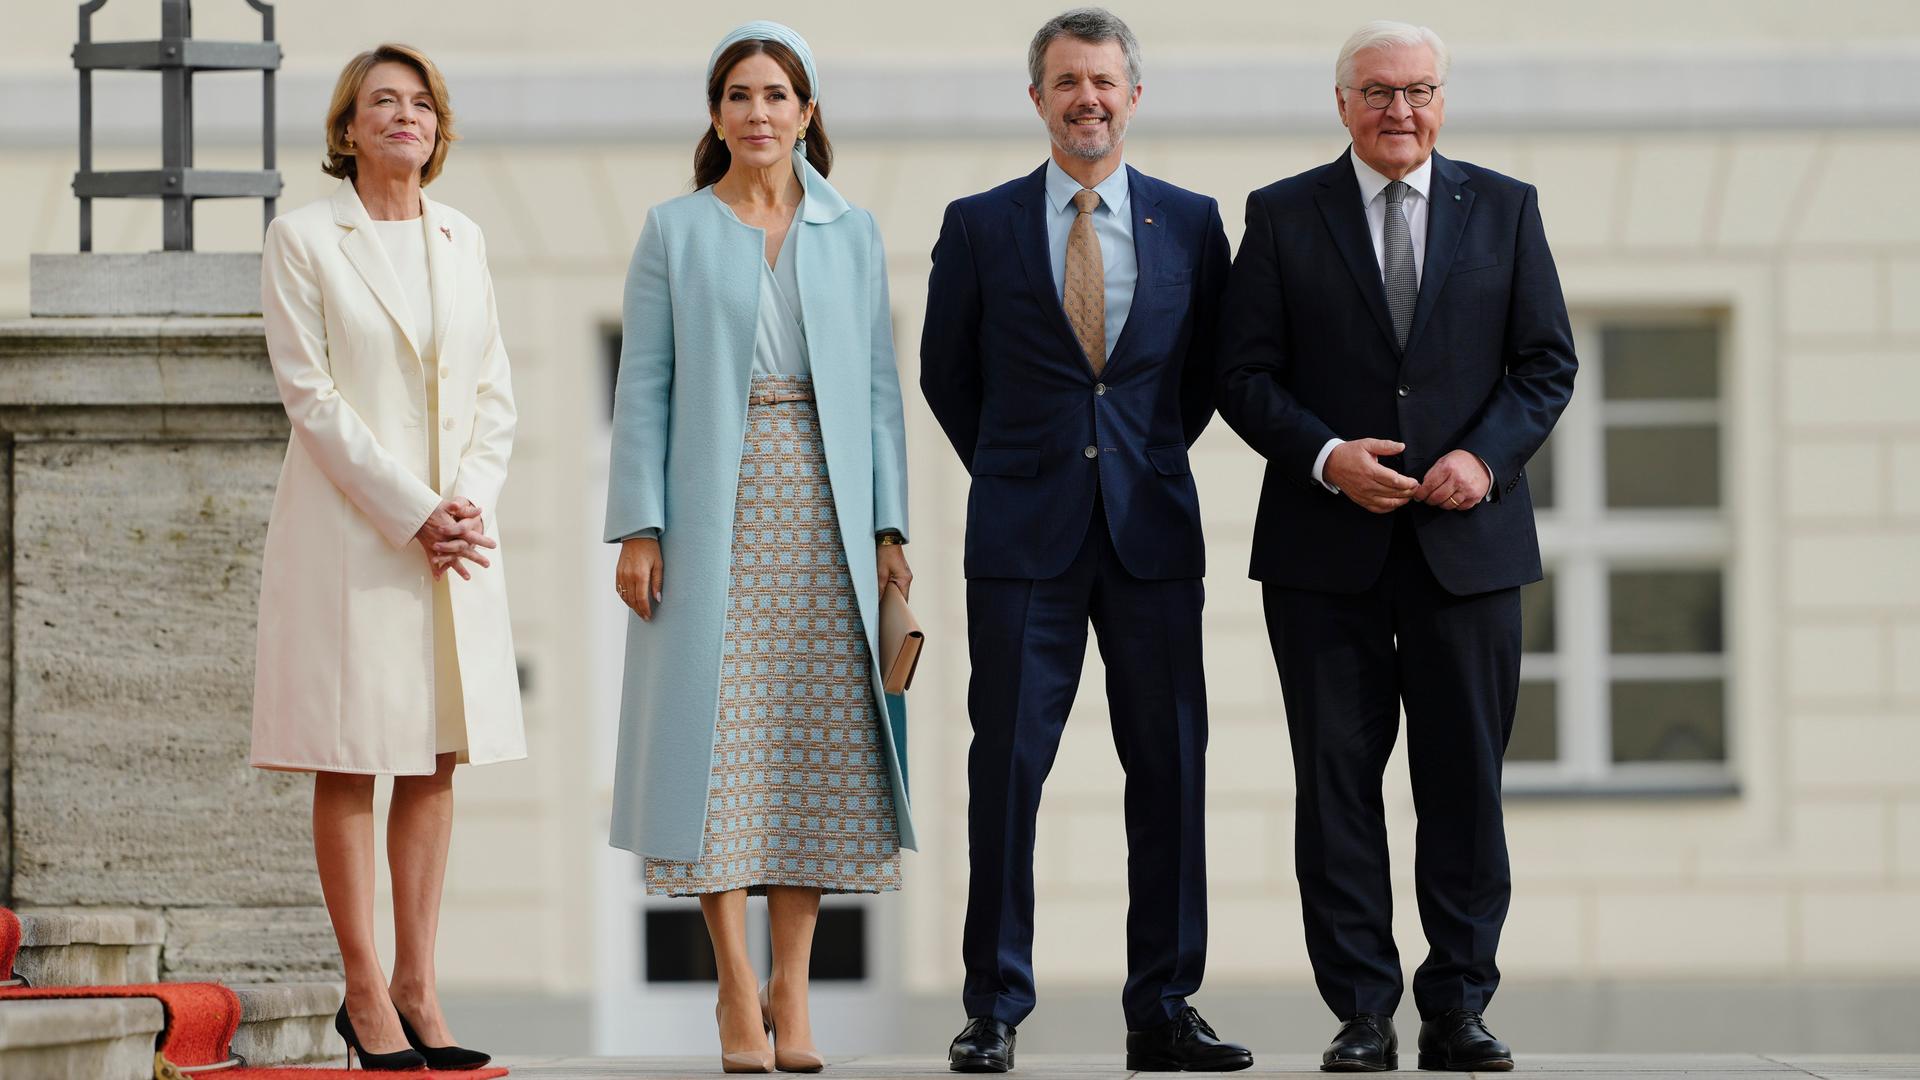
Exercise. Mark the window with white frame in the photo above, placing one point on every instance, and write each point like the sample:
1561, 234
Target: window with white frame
1624, 666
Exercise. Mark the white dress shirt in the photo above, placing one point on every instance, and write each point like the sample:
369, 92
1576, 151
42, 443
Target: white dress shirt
1373, 197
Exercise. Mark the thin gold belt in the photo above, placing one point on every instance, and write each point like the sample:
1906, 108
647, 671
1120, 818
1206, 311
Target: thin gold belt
779, 397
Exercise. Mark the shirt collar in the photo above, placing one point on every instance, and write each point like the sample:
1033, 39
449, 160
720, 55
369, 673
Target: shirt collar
1061, 188
1372, 183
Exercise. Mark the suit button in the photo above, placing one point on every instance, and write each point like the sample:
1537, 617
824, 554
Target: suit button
1404, 390
1099, 389
446, 372
446, 425
1090, 452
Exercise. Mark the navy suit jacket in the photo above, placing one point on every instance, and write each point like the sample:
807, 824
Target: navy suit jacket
1040, 434
1307, 353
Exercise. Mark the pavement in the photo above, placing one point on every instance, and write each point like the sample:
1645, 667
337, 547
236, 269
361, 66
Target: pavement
1039, 1067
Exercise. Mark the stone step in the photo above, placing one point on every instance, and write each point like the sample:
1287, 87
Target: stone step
100, 1039
89, 946
288, 1023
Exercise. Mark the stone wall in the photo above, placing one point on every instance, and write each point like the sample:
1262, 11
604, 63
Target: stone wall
141, 457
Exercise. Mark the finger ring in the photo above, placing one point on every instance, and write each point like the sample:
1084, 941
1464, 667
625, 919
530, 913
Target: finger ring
1453, 500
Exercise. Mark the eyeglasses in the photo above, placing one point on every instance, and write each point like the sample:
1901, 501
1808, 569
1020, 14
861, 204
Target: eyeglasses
1419, 95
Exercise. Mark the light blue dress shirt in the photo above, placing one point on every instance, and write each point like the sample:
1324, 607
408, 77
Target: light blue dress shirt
1112, 224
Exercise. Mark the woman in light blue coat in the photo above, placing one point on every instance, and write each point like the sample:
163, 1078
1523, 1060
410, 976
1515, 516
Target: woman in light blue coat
758, 492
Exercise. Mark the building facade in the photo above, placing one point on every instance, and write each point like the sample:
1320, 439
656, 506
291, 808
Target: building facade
1714, 787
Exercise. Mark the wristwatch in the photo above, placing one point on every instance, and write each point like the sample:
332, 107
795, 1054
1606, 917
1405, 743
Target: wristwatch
890, 539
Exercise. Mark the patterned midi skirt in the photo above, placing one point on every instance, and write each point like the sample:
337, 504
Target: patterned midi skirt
800, 793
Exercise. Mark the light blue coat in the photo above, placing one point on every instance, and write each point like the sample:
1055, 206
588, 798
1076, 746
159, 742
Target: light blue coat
679, 414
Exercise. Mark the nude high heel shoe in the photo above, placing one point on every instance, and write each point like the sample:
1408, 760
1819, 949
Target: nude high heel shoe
793, 1061
743, 1061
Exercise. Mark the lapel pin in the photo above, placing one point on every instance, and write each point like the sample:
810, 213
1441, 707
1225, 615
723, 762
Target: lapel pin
1456, 198
448, 233
1149, 221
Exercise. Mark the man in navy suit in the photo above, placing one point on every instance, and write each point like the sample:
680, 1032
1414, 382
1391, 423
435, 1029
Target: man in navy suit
1396, 345
1068, 354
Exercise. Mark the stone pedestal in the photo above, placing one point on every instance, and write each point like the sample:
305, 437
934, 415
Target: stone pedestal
138, 458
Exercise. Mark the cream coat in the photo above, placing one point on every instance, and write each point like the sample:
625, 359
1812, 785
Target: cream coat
344, 676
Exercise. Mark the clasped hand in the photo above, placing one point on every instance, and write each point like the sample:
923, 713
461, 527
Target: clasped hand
638, 576
454, 534
1457, 481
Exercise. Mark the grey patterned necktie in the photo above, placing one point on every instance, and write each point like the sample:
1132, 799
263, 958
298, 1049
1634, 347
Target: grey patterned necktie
1402, 284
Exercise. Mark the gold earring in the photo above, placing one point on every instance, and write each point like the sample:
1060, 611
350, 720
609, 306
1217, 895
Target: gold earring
349, 142
721, 132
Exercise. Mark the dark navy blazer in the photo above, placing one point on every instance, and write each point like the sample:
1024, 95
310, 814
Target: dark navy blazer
1007, 380
1307, 353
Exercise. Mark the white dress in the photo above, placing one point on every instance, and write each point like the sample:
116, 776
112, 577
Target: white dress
406, 247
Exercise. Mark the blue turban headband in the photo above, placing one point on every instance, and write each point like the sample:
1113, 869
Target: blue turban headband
769, 31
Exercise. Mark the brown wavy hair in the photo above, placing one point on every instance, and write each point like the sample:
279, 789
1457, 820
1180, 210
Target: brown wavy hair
346, 99
712, 159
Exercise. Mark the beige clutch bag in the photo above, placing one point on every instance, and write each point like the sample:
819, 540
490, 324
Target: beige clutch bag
900, 641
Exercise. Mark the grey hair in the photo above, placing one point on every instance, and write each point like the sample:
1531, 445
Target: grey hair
1088, 24
1383, 33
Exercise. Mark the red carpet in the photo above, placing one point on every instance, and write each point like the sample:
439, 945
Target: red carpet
201, 1017
291, 1072
9, 942
294, 1073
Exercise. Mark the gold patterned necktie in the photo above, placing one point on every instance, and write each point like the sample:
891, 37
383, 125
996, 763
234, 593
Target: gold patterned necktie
1085, 294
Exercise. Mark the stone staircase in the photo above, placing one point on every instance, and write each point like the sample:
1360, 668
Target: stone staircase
282, 1022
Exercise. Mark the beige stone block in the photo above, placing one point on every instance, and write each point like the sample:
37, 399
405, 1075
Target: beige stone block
1241, 848
1829, 662
1906, 660
1828, 480
1670, 192
1095, 848
1847, 200
1832, 297
1250, 756
1855, 389
1764, 178
1903, 295
1580, 183
1855, 754
1906, 839
1821, 842
1551, 842
1866, 568
1080, 940
1904, 481
1545, 933
1257, 937
1860, 932
1240, 671
1693, 934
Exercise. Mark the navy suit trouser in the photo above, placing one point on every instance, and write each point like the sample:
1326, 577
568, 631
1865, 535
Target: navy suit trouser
1028, 640
1347, 663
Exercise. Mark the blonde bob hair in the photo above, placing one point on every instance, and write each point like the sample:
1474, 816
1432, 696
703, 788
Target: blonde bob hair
346, 98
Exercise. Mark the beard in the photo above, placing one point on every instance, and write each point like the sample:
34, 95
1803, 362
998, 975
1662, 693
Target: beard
1072, 140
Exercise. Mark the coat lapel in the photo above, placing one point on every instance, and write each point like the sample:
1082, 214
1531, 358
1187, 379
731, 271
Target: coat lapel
363, 250
1448, 204
1143, 199
1030, 236
1339, 202
441, 271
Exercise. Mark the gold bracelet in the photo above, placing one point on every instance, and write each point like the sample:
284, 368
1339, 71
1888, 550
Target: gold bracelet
890, 540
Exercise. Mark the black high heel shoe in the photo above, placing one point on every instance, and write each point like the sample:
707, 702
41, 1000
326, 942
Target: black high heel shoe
398, 1061
452, 1058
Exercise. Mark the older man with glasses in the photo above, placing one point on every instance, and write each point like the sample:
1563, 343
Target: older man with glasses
1395, 343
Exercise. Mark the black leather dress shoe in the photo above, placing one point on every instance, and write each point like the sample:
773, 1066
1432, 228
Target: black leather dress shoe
984, 1045
1459, 1041
1184, 1044
1366, 1043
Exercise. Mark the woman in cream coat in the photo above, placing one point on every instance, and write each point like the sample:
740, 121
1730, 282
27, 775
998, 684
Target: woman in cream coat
384, 647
